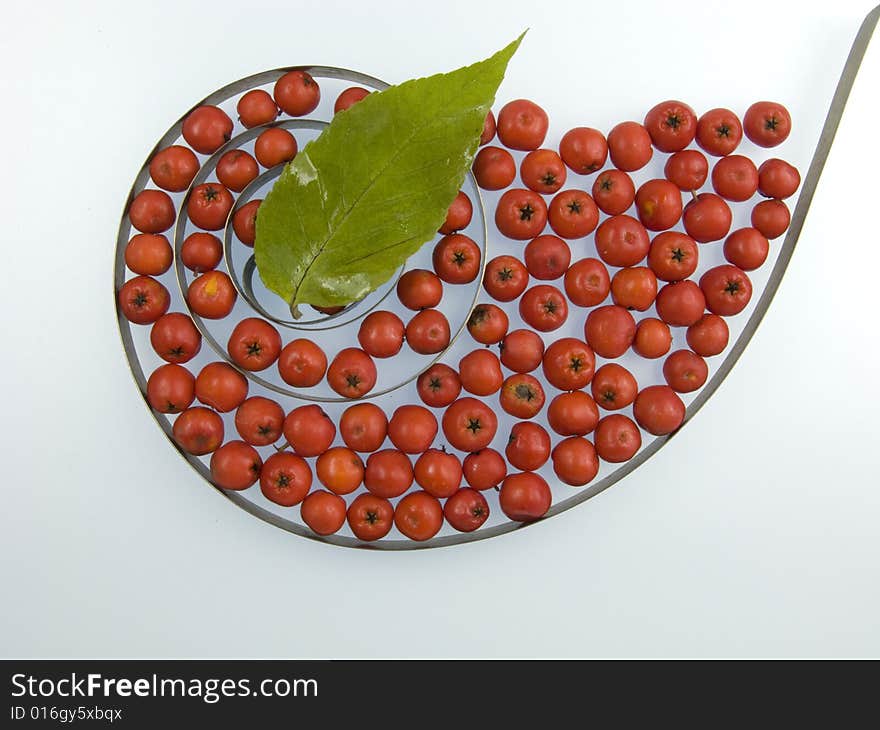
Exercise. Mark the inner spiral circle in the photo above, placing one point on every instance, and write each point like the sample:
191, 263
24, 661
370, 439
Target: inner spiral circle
325, 329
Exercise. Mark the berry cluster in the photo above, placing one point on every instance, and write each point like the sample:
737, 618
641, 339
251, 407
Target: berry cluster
594, 249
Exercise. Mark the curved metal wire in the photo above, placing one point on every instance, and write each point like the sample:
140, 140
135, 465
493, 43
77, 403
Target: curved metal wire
808, 189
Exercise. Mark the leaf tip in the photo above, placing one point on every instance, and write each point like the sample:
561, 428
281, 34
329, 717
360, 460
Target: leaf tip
519, 39
507, 52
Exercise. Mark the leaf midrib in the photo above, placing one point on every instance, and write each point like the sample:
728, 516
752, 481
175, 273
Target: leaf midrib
353, 205
348, 212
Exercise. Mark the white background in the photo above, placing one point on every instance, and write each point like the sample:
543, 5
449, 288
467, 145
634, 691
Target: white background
756, 532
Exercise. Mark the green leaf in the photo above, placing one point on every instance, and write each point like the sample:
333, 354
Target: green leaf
365, 195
